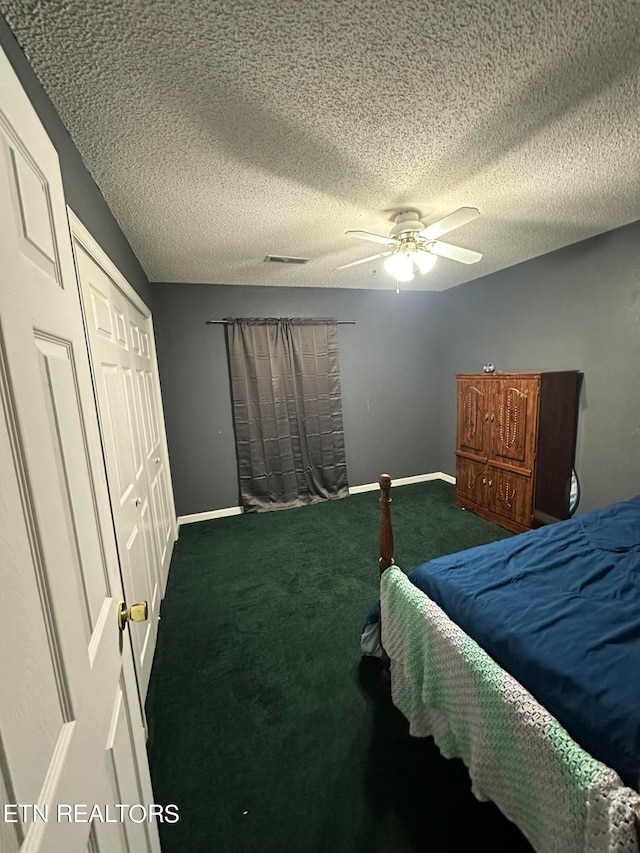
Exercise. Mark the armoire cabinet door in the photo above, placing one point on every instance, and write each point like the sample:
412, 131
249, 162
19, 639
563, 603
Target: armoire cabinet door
471, 480
473, 416
510, 494
512, 417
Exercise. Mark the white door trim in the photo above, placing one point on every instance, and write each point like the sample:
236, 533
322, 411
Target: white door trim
88, 242
84, 238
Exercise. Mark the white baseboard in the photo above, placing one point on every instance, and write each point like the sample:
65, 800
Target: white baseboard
206, 516
403, 481
353, 490
448, 478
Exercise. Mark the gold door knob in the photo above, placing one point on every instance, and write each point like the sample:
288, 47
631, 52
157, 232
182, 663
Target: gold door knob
136, 613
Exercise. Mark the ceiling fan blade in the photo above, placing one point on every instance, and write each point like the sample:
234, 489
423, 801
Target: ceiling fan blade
375, 238
453, 220
364, 260
455, 253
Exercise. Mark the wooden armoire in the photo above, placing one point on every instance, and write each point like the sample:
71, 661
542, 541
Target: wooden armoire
515, 446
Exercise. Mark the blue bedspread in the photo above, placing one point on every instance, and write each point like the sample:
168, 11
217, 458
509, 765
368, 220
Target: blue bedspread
559, 608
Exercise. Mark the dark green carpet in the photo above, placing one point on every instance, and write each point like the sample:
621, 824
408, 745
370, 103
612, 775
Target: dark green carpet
265, 727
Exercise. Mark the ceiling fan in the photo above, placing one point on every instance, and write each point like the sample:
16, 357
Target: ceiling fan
414, 248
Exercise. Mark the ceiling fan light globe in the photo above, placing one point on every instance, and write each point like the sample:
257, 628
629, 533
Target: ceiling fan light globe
425, 261
400, 266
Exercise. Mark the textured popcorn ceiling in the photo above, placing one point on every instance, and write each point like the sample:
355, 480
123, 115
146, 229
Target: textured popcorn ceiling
219, 132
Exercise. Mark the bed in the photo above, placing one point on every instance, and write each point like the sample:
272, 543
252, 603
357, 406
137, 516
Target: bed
519, 657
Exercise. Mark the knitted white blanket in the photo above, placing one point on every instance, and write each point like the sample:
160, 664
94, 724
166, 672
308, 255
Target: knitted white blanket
518, 755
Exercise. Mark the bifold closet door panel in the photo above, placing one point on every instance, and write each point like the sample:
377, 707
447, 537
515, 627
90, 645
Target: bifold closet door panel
120, 368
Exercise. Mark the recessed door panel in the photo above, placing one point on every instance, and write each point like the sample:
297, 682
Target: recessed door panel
132, 832
132, 561
61, 395
10, 833
151, 405
121, 328
118, 436
135, 337
163, 491
92, 845
100, 316
36, 228
132, 419
157, 515
35, 709
143, 408
150, 555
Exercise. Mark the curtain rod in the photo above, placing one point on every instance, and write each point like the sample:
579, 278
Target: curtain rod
226, 322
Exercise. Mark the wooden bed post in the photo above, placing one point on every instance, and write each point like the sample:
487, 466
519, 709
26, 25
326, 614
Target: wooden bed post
386, 559
386, 531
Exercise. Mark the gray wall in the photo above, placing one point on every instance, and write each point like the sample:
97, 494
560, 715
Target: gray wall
388, 385
577, 308
81, 192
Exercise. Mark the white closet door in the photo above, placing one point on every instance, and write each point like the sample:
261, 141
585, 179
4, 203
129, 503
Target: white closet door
71, 731
125, 377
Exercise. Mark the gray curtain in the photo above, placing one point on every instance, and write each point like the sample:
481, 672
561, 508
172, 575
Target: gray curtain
287, 410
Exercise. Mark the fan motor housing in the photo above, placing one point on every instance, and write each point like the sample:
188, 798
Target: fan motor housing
408, 221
